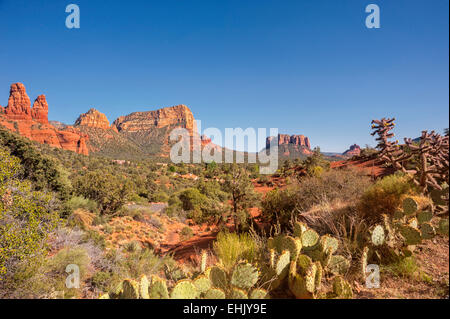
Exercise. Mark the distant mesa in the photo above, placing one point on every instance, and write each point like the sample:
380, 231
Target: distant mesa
299, 140
175, 116
354, 150
292, 146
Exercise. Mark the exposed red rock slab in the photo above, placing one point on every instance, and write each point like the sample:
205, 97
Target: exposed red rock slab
372, 167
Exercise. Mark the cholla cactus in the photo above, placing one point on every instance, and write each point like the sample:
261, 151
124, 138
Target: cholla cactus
432, 153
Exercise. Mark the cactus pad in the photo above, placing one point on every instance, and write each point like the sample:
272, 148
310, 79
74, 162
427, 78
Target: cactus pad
443, 226
184, 289
424, 217
218, 277
342, 288
143, 287
215, 293
158, 289
244, 275
299, 228
258, 294
130, 289
309, 238
328, 242
202, 283
409, 206
338, 265
282, 263
378, 235
427, 231
412, 235
237, 293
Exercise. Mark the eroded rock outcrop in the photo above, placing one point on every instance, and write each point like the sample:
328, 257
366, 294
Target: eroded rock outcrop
93, 118
19, 104
39, 111
32, 122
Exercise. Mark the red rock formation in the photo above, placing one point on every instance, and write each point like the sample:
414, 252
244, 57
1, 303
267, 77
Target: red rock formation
32, 123
299, 140
179, 115
93, 118
18, 107
354, 150
39, 111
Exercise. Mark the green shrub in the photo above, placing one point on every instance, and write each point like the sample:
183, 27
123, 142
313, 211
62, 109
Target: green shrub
385, 196
186, 233
102, 280
109, 191
231, 248
26, 217
345, 186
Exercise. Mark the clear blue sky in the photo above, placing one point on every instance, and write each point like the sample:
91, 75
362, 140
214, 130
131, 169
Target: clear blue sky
305, 67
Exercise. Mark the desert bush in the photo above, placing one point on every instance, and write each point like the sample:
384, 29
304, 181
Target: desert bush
109, 191
26, 217
232, 247
333, 185
385, 196
78, 202
186, 233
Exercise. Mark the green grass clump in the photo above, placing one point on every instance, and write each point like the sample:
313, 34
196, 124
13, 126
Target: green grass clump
232, 247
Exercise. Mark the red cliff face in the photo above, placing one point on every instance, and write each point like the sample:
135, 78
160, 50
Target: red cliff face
179, 115
32, 122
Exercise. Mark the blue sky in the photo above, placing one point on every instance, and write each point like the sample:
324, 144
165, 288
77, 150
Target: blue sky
304, 67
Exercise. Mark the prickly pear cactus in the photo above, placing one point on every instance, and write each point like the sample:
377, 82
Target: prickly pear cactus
215, 293
309, 238
218, 277
143, 287
409, 206
130, 289
338, 265
184, 289
244, 275
342, 289
237, 293
258, 294
443, 226
378, 235
202, 283
158, 288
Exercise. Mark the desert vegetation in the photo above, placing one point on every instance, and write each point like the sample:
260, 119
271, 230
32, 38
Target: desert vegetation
153, 229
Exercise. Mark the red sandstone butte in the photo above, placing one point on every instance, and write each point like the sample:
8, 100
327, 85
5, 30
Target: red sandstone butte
32, 122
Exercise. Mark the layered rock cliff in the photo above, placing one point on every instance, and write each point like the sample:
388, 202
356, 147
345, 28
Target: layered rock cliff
177, 116
32, 122
299, 140
93, 118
